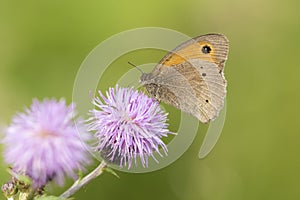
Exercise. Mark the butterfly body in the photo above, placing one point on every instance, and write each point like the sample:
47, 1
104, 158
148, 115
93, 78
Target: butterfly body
191, 77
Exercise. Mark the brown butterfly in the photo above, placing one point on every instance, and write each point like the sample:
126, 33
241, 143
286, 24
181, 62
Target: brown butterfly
191, 77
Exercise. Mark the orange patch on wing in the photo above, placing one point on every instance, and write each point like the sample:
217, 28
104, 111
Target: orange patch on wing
192, 51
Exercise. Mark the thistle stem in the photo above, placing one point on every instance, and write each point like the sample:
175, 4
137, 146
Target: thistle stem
81, 182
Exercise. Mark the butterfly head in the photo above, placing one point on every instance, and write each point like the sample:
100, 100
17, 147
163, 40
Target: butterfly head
145, 78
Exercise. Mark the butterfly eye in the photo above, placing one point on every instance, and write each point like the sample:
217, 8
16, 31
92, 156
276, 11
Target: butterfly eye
206, 49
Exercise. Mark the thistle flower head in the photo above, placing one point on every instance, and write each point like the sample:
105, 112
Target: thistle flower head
9, 189
44, 143
128, 125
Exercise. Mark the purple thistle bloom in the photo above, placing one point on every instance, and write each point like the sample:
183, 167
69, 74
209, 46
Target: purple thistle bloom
128, 124
44, 142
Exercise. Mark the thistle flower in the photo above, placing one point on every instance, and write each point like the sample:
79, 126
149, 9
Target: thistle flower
128, 125
44, 143
9, 189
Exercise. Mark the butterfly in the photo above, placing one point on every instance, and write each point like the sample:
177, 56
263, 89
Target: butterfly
191, 77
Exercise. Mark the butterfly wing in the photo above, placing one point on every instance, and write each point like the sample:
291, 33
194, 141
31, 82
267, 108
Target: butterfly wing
210, 47
191, 77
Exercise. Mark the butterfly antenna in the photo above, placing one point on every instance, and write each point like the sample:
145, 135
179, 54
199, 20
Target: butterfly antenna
135, 67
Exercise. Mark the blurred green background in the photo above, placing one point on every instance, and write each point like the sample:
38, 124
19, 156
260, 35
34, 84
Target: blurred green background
43, 44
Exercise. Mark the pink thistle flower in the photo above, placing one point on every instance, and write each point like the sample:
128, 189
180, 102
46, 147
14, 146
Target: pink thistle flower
128, 125
44, 143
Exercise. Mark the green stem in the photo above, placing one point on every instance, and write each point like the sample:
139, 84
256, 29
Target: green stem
81, 182
31, 195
